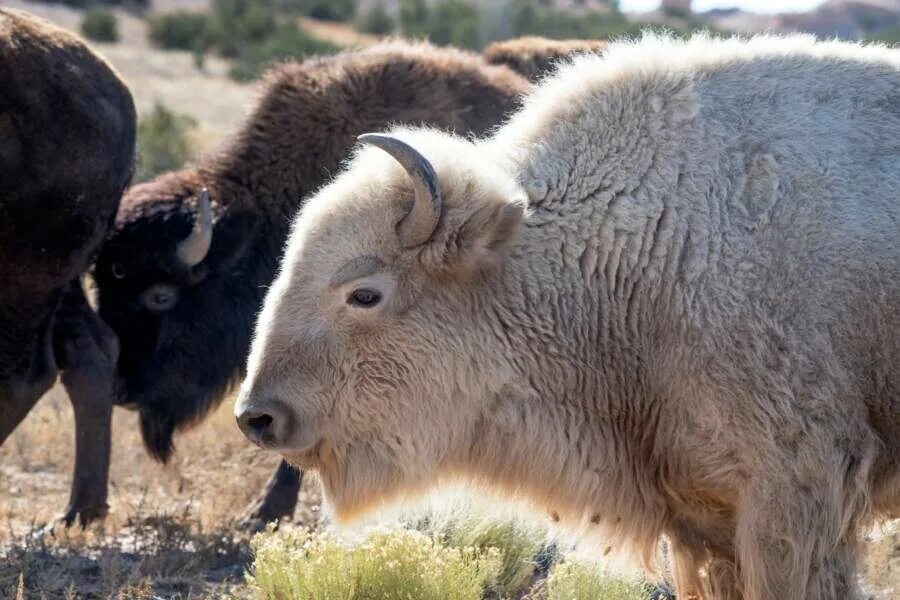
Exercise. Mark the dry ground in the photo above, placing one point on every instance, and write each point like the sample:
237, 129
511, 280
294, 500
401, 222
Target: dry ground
173, 524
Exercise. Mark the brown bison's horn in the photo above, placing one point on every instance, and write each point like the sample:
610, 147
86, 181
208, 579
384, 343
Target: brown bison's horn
193, 249
419, 224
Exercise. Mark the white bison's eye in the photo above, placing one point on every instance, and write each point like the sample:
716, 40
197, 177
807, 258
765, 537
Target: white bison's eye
160, 297
364, 298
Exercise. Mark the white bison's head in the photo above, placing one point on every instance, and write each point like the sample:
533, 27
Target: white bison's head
379, 350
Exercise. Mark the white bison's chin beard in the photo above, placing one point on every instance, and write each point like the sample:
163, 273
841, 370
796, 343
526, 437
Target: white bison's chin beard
357, 480
306, 457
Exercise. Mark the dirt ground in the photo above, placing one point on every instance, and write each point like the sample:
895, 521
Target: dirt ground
174, 525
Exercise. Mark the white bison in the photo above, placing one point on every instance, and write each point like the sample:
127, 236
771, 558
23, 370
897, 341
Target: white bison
664, 298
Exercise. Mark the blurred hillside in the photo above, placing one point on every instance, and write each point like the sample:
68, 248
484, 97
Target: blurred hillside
846, 19
192, 65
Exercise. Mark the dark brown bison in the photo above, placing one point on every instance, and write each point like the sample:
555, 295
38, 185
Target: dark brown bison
534, 57
67, 132
181, 277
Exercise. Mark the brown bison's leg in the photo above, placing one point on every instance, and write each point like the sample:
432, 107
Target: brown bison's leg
279, 499
16, 406
87, 351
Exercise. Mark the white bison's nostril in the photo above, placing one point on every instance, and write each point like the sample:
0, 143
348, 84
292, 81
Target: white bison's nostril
264, 422
256, 426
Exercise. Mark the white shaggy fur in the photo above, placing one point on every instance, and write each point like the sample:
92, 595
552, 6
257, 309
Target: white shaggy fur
692, 330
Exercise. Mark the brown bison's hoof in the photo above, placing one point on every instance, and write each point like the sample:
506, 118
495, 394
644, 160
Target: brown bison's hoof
85, 514
262, 512
277, 501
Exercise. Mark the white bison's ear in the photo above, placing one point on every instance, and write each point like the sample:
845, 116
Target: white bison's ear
473, 236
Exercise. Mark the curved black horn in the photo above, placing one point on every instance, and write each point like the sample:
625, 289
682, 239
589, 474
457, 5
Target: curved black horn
193, 249
419, 224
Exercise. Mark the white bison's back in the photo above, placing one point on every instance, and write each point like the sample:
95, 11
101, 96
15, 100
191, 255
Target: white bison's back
775, 160
752, 185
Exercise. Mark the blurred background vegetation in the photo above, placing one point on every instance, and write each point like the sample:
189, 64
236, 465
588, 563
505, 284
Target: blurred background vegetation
244, 37
254, 33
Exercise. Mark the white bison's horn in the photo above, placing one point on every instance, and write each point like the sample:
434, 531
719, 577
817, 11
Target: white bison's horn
419, 224
193, 249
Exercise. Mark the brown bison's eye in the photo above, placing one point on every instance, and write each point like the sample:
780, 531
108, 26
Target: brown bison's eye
118, 271
364, 298
160, 297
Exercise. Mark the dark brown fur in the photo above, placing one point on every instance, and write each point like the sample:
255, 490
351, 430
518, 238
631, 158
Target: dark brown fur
534, 57
176, 365
67, 132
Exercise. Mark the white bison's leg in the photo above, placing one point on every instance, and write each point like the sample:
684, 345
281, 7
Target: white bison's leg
700, 570
87, 352
796, 525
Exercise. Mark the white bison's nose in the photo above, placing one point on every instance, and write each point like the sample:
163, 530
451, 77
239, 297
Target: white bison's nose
267, 422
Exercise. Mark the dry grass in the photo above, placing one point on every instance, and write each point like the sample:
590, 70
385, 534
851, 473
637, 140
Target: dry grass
170, 529
340, 34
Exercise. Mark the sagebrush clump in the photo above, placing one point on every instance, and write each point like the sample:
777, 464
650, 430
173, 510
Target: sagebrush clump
580, 581
100, 25
163, 142
400, 564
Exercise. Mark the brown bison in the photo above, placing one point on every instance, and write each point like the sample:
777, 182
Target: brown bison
535, 57
67, 134
662, 301
181, 278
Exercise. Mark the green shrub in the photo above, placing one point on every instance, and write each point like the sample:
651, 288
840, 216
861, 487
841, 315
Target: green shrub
455, 555
376, 21
247, 31
138, 4
288, 41
413, 18
574, 581
528, 18
454, 22
100, 25
162, 142
517, 543
329, 10
178, 30
387, 565
234, 24
889, 36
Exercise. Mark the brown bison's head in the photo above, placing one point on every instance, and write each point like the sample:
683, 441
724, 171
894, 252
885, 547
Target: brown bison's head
172, 283
376, 354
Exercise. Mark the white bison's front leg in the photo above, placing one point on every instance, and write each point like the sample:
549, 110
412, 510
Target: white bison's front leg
796, 534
